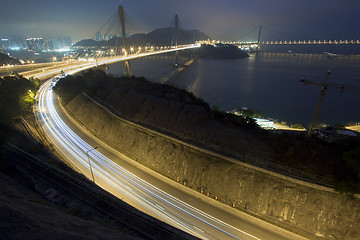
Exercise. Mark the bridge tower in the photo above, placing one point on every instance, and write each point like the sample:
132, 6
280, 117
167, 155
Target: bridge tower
258, 40
176, 31
123, 32
175, 40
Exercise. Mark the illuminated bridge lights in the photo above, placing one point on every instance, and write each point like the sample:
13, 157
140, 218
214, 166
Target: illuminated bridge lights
303, 42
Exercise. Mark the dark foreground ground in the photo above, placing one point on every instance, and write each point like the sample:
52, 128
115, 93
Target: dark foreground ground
42, 198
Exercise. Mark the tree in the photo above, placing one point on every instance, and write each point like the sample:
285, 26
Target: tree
347, 172
298, 126
17, 94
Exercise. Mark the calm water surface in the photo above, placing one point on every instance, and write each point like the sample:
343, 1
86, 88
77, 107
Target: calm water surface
268, 82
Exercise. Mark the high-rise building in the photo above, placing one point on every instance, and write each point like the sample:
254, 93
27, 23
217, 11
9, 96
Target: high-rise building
98, 36
67, 41
35, 44
4, 43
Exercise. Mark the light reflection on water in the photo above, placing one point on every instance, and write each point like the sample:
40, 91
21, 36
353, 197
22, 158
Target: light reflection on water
268, 82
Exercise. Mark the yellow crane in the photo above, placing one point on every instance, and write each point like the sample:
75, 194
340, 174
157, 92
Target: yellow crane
325, 84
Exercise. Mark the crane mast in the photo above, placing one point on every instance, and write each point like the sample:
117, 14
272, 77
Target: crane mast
320, 101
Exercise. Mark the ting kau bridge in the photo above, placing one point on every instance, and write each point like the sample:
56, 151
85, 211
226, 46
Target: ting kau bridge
260, 42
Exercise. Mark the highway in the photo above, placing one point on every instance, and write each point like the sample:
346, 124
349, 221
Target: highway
142, 188
28, 68
44, 71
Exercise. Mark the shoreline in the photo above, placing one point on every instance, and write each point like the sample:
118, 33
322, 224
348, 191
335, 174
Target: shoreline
355, 127
279, 126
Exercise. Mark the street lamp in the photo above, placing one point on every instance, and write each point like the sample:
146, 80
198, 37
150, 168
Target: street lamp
87, 154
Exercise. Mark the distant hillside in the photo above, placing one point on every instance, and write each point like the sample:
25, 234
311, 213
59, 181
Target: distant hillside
158, 37
220, 52
5, 59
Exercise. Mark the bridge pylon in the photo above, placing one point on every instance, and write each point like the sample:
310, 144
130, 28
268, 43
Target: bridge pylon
176, 36
123, 32
258, 40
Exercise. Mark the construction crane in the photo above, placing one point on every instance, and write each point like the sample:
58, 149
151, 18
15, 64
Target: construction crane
325, 86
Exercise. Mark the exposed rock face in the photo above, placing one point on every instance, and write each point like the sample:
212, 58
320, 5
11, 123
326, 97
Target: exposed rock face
310, 210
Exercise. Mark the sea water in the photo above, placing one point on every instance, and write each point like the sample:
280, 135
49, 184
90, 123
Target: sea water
268, 81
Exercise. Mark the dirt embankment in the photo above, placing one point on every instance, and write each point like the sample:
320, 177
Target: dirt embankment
42, 198
312, 211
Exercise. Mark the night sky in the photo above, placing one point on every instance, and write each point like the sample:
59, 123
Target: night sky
224, 20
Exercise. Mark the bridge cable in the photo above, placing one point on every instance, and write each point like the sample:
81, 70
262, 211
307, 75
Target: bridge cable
237, 39
111, 18
281, 33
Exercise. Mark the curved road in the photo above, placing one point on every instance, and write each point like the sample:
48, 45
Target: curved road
142, 188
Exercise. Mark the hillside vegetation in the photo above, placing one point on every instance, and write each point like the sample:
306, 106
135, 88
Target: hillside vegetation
17, 95
5, 59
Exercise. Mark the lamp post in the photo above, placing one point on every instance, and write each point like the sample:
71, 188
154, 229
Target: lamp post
87, 154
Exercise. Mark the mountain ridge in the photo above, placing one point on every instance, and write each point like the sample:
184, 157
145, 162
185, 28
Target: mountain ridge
5, 59
157, 37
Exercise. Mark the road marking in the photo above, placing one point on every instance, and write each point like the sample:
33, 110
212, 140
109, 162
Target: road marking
157, 205
198, 229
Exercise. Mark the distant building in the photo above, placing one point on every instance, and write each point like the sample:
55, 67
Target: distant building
58, 44
98, 36
4, 43
35, 44
265, 123
67, 41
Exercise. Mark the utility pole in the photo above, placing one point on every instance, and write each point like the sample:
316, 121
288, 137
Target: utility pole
87, 154
123, 32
